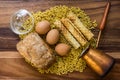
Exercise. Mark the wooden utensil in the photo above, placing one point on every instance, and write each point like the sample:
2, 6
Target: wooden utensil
103, 21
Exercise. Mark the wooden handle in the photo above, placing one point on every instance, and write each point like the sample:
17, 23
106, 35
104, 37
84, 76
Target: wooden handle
102, 24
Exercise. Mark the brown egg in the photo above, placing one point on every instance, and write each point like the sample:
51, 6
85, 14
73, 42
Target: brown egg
62, 49
52, 36
42, 27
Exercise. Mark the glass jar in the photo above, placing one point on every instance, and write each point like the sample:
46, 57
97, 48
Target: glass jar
19, 20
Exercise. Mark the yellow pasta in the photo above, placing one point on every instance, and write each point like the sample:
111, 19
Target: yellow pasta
70, 63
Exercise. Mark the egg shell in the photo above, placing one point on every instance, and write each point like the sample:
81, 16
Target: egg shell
52, 37
62, 49
42, 27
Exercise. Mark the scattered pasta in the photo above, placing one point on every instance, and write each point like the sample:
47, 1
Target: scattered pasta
70, 63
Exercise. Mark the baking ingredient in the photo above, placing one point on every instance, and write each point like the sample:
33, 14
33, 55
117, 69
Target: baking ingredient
68, 36
80, 26
42, 27
52, 36
70, 63
70, 26
62, 49
36, 51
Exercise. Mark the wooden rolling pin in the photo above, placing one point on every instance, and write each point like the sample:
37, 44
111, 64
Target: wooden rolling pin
103, 21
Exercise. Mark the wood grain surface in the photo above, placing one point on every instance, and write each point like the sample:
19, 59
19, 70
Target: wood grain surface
13, 66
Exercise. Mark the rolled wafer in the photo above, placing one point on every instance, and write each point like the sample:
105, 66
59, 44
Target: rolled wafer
79, 25
70, 26
67, 34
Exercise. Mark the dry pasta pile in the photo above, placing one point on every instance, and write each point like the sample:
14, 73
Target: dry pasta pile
70, 63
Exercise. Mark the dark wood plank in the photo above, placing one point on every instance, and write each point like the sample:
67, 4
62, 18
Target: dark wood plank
17, 68
110, 40
8, 39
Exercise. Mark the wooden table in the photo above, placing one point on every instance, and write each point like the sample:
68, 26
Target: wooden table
13, 66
